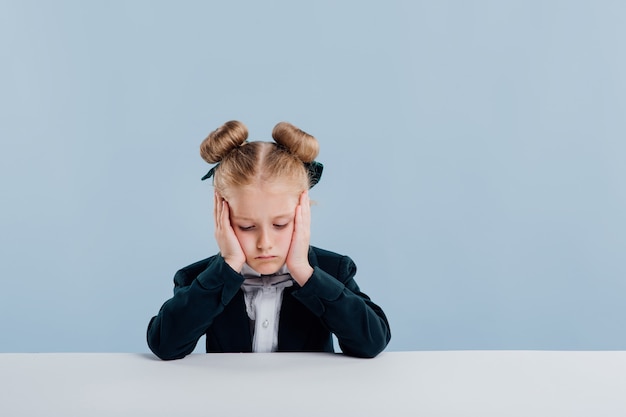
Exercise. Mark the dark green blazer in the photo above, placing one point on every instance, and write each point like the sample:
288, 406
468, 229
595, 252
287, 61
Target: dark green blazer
208, 300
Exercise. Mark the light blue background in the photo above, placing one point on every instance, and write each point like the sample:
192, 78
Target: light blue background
475, 160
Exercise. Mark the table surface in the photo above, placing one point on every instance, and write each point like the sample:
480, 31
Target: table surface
443, 383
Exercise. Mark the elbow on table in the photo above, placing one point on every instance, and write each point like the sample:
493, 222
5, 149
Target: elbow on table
369, 353
166, 356
369, 350
163, 352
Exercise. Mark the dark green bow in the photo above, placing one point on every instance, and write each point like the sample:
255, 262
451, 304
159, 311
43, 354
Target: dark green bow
314, 170
210, 173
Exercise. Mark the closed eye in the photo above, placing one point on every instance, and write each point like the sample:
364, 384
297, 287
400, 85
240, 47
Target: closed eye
246, 228
281, 226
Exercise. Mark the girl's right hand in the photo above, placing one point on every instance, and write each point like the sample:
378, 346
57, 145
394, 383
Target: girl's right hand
227, 241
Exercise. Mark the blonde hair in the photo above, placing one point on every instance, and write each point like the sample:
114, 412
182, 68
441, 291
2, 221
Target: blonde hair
244, 163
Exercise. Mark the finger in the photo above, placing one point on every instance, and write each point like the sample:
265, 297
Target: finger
303, 197
301, 230
305, 210
222, 205
215, 208
297, 219
222, 213
225, 215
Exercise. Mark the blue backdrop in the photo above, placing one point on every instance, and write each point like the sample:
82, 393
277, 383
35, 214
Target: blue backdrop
474, 166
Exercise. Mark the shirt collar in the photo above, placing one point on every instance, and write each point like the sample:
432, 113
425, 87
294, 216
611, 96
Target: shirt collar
248, 272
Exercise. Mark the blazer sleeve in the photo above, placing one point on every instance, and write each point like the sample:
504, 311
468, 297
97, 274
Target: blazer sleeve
174, 332
361, 326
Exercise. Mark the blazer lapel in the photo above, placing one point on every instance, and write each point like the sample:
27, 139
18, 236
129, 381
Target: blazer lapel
234, 317
296, 321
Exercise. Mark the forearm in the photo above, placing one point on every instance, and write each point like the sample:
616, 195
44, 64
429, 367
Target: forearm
184, 318
360, 325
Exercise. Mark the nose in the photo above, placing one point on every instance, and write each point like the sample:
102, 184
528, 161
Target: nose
264, 242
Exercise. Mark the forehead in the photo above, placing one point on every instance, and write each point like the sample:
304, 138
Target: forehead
256, 202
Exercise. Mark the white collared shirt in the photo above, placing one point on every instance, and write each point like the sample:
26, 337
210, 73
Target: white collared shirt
263, 296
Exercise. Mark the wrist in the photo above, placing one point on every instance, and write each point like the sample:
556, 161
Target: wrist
302, 275
235, 264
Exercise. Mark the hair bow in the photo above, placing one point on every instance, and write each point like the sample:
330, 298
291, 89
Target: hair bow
314, 169
315, 172
210, 173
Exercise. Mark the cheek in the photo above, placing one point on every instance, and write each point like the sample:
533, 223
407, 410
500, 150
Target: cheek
285, 235
244, 239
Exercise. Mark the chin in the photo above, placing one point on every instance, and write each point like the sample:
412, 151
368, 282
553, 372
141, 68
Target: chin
266, 267
266, 270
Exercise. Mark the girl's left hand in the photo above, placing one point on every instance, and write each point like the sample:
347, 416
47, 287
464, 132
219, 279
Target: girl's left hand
298, 255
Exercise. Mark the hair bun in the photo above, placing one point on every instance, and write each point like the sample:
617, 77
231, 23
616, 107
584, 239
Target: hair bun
297, 141
222, 140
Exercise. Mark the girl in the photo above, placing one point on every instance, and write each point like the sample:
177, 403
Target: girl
266, 290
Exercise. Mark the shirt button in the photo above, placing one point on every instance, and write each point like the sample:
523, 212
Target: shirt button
266, 323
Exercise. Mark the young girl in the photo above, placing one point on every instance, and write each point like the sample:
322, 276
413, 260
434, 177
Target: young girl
266, 290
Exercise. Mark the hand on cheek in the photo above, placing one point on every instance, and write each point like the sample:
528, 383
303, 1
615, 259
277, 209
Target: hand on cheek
227, 241
298, 256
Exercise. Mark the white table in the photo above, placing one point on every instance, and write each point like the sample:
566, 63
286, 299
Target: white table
453, 383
